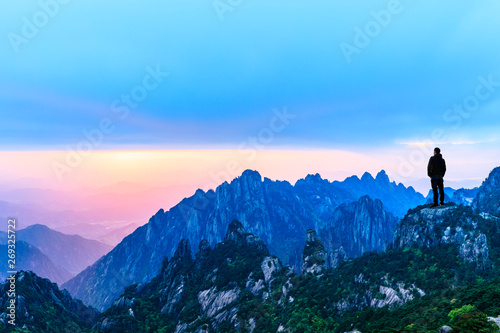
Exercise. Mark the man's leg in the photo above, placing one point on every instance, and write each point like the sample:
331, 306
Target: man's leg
434, 185
441, 191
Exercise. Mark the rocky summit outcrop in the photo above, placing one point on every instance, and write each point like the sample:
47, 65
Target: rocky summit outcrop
356, 228
276, 211
488, 196
314, 256
40, 306
449, 224
204, 293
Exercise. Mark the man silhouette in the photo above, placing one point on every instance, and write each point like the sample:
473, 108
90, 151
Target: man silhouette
436, 170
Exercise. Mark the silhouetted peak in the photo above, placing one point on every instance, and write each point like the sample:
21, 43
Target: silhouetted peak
183, 250
382, 177
367, 177
251, 175
313, 178
236, 233
199, 192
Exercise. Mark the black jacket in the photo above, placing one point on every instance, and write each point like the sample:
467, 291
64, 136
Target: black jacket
436, 167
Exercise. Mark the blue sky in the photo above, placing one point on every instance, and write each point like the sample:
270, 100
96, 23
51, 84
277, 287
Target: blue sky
226, 76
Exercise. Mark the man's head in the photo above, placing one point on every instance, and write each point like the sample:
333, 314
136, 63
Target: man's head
437, 151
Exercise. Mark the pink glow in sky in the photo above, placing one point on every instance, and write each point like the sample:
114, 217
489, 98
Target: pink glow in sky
110, 190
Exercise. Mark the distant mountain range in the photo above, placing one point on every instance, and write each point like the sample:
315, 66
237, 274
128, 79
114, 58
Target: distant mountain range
51, 254
276, 211
363, 269
72, 252
30, 258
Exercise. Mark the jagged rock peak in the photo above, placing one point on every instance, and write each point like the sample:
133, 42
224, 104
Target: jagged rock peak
183, 251
251, 175
382, 176
199, 192
314, 256
367, 177
236, 233
313, 178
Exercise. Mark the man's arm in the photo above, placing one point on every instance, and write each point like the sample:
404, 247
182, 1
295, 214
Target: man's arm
429, 168
444, 167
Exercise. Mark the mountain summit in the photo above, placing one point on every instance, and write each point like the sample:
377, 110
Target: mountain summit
275, 211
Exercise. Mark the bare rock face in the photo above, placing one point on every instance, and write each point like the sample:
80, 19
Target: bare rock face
276, 211
209, 286
213, 301
445, 329
314, 256
488, 197
445, 225
495, 320
356, 228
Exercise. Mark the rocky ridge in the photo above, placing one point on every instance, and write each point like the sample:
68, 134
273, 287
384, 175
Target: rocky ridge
447, 225
275, 211
209, 286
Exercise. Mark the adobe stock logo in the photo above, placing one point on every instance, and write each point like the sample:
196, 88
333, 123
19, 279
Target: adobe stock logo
31, 26
223, 6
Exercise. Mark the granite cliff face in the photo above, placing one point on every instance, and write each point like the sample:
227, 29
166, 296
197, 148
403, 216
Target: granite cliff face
445, 225
204, 293
488, 197
356, 228
275, 211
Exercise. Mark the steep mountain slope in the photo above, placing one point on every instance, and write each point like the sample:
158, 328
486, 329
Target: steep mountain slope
72, 252
434, 250
217, 291
31, 258
358, 227
42, 307
488, 197
227, 289
275, 211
